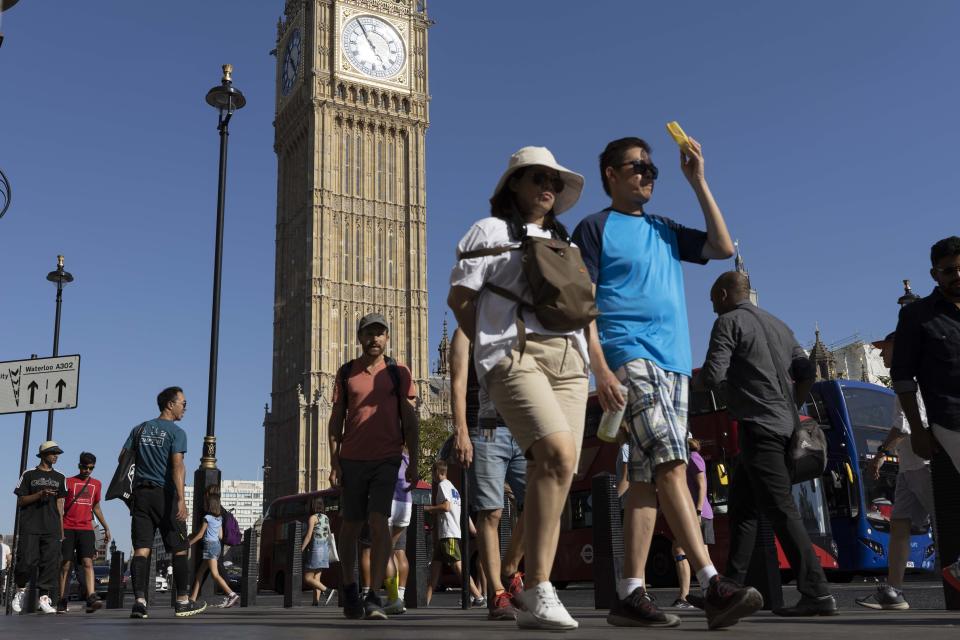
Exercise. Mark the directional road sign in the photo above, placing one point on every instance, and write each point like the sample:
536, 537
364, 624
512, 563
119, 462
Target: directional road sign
39, 384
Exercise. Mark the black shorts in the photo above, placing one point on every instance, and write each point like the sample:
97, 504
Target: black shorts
367, 487
156, 509
78, 544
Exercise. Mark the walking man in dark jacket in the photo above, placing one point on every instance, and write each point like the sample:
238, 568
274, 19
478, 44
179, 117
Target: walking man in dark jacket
740, 358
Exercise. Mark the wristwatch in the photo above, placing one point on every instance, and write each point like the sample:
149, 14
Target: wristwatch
884, 451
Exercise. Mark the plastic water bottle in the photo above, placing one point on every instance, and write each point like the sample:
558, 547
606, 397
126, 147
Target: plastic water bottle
610, 422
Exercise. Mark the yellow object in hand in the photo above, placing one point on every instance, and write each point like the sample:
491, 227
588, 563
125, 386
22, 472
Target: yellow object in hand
673, 128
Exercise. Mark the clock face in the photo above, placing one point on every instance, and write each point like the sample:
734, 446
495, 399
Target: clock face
291, 63
373, 47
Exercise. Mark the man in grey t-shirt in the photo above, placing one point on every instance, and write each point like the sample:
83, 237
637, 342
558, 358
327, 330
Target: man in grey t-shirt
740, 359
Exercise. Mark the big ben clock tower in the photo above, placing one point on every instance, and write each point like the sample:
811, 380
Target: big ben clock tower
351, 116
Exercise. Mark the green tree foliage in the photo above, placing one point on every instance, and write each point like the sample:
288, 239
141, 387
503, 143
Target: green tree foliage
433, 433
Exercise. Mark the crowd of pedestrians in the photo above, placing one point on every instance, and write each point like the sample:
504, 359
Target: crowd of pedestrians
539, 309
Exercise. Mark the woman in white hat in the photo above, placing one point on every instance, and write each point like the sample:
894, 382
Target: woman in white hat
539, 388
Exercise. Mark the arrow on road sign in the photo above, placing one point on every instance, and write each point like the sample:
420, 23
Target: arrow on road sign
60, 385
33, 386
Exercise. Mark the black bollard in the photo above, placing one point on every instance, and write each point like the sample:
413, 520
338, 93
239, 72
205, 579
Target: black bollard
607, 540
151, 594
249, 569
293, 574
763, 574
946, 504
505, 530
115, 586
418, 553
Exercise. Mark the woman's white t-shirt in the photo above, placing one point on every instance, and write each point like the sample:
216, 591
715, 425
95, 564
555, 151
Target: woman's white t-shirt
496, 315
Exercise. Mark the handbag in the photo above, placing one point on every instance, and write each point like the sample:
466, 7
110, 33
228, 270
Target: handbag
121, 485
333, 555
806, 454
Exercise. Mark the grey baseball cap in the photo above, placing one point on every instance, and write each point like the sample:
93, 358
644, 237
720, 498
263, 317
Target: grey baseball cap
372, 318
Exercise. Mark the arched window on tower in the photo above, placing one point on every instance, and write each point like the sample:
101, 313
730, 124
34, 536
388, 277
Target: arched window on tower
380, 186
345, 355
358, 251
358, 151
379, 257
391, 279
347, 163
392, 170
347, 238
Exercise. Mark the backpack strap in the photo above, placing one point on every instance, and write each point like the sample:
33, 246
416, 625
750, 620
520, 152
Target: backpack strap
77, 496
502, 292
394, 370
342, 374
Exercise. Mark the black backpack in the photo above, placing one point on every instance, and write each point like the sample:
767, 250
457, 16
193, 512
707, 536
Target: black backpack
393, 369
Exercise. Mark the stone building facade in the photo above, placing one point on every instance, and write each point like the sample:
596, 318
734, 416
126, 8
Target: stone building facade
351, 118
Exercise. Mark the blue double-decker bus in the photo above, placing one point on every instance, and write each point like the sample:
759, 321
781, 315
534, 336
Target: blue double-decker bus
856, 417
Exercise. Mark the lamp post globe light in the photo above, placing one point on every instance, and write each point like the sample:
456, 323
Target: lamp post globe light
60, 278
226, 99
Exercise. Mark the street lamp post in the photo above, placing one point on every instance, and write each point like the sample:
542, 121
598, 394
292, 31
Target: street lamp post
60, 278
226, 99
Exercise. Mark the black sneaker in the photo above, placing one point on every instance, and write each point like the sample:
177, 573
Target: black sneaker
809, 607
62, 606
696, 599
139, 610
373, 607
93, 603
726, 602
639, 610
680, 603
885, 597
189, 608
352, 605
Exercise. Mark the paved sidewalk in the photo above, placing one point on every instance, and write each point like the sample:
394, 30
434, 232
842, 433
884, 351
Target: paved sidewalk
453, 624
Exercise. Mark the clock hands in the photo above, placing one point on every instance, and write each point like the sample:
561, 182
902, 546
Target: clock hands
370, 42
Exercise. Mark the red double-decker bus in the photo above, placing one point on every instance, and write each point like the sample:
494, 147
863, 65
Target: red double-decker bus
717, 432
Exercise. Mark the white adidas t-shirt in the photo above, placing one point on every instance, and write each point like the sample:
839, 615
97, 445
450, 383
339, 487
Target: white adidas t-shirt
496, 315
448, 522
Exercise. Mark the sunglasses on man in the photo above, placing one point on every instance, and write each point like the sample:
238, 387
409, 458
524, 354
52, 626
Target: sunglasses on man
555, 183
643, 168
86, 467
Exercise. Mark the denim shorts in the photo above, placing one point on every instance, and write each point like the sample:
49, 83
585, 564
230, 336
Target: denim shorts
317, 556
211, 550
497, 458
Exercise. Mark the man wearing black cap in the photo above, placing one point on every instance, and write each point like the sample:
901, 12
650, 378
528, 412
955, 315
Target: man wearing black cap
40, 494
373, 417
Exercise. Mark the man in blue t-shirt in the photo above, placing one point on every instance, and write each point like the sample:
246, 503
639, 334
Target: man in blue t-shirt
641, 341
158, 500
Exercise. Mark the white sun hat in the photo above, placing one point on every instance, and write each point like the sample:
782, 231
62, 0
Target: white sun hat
541, 157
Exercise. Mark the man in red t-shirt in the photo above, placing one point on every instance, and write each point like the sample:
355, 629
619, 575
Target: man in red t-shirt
372, 397
80, 542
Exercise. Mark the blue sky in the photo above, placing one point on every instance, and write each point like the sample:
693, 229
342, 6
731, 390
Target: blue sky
828, 130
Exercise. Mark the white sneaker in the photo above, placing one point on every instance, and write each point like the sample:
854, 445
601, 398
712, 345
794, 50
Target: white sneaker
17, 603
542, 609
46, 605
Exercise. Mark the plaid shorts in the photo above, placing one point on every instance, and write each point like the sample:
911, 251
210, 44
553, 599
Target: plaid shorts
656, 417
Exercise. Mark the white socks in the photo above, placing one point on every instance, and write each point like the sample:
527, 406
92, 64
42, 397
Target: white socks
401, 590
704, 576
626, 586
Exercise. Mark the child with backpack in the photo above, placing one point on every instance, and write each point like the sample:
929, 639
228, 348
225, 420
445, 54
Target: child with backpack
211, 531
522, 295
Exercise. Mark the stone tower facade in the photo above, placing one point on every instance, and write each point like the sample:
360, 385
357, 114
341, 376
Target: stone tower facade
351, 118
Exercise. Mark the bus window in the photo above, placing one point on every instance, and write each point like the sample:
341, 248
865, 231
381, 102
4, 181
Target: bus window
592, 420
816, 409
718, 486
701, 402
843, 499
809, 498
579, 511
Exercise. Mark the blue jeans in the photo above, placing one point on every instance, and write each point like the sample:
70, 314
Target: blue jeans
497, 458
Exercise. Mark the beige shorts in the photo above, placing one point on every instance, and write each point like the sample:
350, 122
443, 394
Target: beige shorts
542, 393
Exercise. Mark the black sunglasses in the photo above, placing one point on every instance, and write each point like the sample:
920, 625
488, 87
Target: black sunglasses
640, 167
540, 178
86, 467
